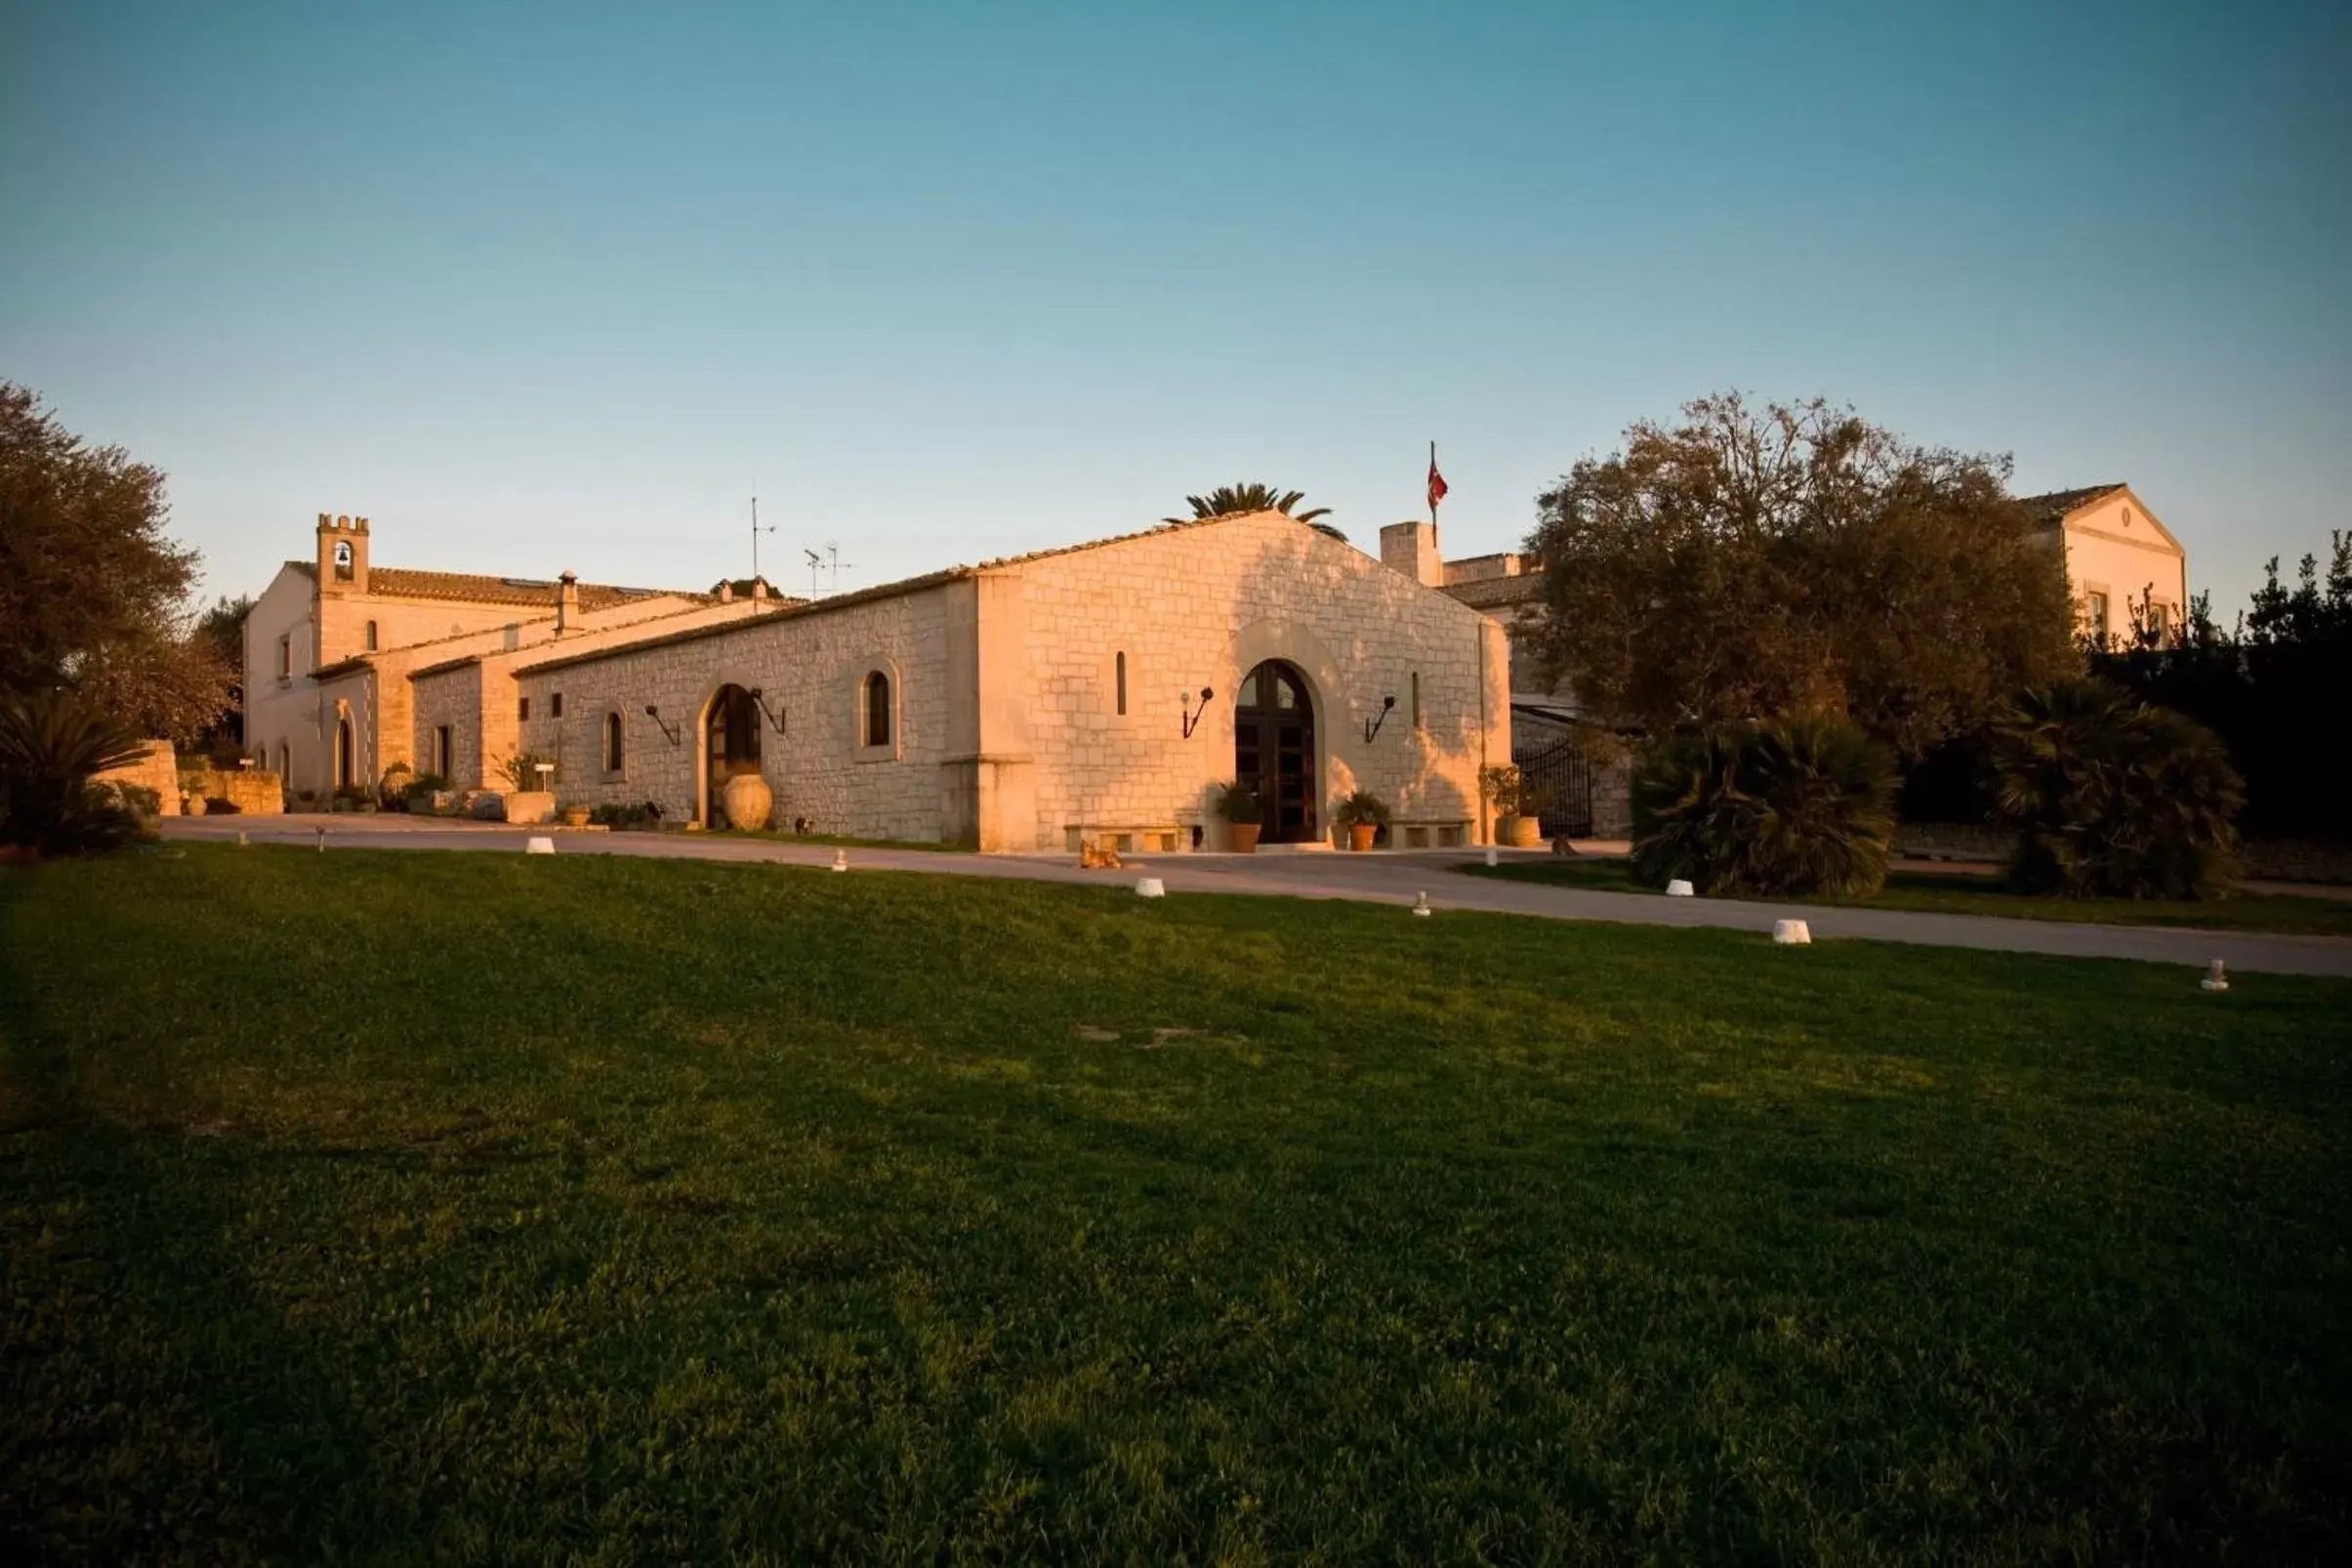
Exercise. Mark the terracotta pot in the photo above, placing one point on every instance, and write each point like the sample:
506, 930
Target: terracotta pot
748, 801
575, 816
1519, 832
1361, 834
1245, 836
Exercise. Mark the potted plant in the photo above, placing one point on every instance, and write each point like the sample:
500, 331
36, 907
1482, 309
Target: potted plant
1243, 815
1363, 815
1506, 789
575, 816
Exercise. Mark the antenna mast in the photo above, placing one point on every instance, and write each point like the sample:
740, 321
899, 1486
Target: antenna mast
757, 530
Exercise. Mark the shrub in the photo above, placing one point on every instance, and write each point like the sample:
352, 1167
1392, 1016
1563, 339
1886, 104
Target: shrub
1501, 785
220, 806
645, 814
51, 743
1800, 806
1363, 809
2114, 798
521, 772
1237, 805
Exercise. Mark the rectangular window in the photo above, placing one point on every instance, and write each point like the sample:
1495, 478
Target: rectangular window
2159, 619
371, 636
1122, 683
2096, 613
440, 750
554, 704
524, 712
1417, 699
285, 657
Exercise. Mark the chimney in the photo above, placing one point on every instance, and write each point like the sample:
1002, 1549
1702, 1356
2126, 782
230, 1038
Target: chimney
726, 593
1410, 548
759, 587
567, 605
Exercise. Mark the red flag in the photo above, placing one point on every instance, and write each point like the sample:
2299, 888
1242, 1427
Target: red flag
1437, 481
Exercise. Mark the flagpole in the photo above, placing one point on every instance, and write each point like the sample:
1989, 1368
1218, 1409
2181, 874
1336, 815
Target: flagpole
1432, 488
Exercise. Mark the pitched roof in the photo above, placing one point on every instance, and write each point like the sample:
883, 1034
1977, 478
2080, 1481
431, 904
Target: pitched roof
474, 588
2051, 508
905, 585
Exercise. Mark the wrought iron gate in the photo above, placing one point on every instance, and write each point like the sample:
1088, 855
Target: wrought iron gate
1555, 781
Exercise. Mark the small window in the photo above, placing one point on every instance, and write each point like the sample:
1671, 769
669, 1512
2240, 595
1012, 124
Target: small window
612, 743
441, 754
2158, 619
285, 657
554, 704
878, 709
523, 710
371, 636
2096, 613
1417, 699
1122, 679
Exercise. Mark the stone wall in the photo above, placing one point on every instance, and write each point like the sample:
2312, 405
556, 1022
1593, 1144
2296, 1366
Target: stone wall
809, 665
1202, 606
451, 697
157, 768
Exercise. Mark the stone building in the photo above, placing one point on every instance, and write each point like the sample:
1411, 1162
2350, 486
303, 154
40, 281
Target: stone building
2119, 561
1097, 691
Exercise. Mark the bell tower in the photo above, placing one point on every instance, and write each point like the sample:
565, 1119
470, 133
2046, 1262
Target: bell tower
342, 553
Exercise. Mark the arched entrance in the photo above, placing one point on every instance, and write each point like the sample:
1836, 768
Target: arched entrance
344, 765
731, 728
1274, 751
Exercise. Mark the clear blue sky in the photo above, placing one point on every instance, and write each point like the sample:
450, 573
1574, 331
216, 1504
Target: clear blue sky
537, 289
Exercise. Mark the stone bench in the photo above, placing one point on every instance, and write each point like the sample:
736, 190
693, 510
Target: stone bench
1429, 833
1128, 838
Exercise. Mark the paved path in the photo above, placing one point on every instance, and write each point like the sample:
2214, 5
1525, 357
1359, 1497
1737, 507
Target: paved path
1372, 878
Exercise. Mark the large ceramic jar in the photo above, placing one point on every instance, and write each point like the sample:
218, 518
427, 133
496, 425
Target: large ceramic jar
1520, 832
748, 801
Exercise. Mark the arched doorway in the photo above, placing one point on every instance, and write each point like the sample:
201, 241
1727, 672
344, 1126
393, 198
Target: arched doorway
344, 767
731, 745
1274, 751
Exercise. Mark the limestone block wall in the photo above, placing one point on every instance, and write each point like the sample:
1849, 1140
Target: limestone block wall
809, 664
452, 697
1202, 606
157, 768
282, 716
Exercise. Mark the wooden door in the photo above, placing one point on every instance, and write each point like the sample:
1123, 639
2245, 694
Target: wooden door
1274, 751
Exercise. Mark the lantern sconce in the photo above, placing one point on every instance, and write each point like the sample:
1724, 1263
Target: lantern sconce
1372, 726
1192, 719
775, 715
656, 714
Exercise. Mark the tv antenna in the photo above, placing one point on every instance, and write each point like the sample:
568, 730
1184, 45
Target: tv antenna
756, 532
832, 552
815, 564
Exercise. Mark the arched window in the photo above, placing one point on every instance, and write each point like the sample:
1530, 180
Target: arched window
878, 709
612, 743
371, 636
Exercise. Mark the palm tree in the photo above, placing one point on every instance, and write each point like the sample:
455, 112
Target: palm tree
1233, 499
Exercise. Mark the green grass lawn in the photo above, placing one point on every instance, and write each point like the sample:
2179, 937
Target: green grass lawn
479, 1208
1960, 892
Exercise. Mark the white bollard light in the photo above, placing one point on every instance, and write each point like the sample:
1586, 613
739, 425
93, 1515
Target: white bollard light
1420, 903
540, 845
1494, 856
240, 838
322, 840
2215, 978
1678, 889
840, 859
1150, 888
1791, 932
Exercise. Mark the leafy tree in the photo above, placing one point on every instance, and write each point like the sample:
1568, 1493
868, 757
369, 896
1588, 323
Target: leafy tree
2115, 798
2317, 610
1235, 500
1792, 558
220, 632
1802, 804
92, 591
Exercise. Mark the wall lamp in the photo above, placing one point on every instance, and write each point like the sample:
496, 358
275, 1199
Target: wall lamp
775, 715
656, 714
1372, 726
1192, 719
